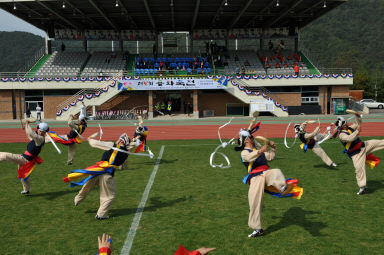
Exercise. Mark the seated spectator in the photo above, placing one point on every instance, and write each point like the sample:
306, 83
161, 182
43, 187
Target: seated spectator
237, 70
242, 69
113, 54
195, 64
277, 65
270, 45
296, 69
161, 65
267, 65
282, 45
246, 63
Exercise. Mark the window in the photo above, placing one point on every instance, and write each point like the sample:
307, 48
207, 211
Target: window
309, 100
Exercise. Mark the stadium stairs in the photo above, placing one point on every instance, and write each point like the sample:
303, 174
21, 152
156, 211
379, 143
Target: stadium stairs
95, 101
244, 97
38, 65
312, 69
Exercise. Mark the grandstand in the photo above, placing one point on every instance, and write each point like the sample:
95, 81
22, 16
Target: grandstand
224, 55
63, 63
104, 64
247, 59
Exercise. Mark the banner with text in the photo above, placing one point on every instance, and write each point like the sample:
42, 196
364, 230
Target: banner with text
172, 84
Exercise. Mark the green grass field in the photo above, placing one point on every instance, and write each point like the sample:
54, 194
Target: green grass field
192, 204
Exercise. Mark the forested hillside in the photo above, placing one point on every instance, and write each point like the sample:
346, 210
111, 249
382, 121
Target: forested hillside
352, 35
16, 48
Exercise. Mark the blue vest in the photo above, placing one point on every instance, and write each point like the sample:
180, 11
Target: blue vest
33, 149
354, 147
307, 143
252, 166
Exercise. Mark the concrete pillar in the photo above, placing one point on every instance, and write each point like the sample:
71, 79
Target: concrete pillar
157, 44
85, 45
150, 104
93, 110
226, 44
296, 44
195, 104
191, 44
121, 44
48, 45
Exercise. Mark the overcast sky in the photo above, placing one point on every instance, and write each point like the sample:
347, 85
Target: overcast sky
8, 22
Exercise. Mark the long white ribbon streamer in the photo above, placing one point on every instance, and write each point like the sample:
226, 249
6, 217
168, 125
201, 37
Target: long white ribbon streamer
285, 137
100, 133
329, 132
222, 145
218, 131
149, 154
54, 144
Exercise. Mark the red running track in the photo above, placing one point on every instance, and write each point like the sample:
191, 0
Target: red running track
176, 132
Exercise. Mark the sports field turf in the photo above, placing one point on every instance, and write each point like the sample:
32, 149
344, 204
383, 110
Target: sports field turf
192, 204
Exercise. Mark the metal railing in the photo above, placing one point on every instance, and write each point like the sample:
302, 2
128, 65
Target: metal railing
262, 90
326, 70
83, 92
13, 74
33, 60
316, 63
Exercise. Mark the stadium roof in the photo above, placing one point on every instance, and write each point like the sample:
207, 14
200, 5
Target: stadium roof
168, 15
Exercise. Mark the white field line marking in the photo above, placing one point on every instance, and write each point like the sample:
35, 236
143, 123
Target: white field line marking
136, 220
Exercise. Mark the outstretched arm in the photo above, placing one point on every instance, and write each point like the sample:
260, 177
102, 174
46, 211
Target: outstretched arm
140, 119
271, 154
71, 124
98, 144
251, 156
358, 121
32, 135
313, 134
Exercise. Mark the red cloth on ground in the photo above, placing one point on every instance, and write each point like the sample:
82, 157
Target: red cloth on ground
183, 251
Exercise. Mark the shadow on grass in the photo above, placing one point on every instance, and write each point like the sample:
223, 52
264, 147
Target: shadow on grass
374, 186
155, 203
54, 195
329, 167
297, 216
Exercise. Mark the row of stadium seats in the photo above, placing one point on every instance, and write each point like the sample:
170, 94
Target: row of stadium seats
171, 63
144, 72
108, 64
246, 59
68, 63
282, 62
104, 62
